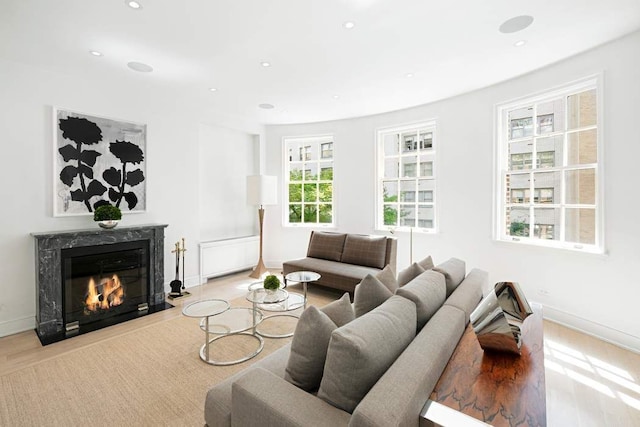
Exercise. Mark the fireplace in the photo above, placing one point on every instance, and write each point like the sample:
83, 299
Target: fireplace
90, 279
104, 281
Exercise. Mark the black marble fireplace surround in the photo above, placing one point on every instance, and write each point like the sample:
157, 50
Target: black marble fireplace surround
51, 250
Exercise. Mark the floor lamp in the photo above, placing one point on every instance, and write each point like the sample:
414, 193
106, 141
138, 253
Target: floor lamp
261, 190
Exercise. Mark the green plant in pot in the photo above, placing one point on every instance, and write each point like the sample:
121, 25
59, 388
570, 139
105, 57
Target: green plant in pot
271, 283
107, 216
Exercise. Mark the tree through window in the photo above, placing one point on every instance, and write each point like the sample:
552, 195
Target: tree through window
309, 181
405, 177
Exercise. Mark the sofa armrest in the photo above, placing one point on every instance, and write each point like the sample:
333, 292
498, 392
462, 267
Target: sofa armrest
261, 398
391, 253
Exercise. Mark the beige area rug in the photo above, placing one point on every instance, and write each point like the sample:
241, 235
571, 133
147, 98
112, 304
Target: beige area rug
151, 376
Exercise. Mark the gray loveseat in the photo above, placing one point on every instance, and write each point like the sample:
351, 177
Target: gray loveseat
260, 396
343, 260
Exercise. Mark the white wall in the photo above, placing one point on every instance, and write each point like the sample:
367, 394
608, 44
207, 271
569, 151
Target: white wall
226, 157
174, 125
595, 293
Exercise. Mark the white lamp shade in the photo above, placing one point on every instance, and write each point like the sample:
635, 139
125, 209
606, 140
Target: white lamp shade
262, 190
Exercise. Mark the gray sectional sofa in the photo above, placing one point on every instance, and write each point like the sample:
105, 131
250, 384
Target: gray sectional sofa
434, 310
343, 260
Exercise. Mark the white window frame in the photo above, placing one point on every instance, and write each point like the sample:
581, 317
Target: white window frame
501, 158
430, 126
305, 141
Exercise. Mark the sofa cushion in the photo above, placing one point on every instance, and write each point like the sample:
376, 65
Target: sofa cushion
428, 292
361, 351
454, 271
409, 273
326, 245
398, 396
426, 263
369, 294
334, 274
469, 293
340, 311
309, 349
217, 405
365, 250
388, 278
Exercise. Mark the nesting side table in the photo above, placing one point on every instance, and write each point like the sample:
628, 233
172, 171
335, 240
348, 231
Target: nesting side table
303, 277
263, 299
227, 321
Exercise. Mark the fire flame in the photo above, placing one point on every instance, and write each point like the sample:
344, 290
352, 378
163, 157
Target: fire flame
109, 293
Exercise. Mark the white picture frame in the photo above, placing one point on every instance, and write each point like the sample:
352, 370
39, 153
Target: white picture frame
97, 160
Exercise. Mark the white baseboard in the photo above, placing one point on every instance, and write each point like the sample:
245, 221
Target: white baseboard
15, 326
605, 333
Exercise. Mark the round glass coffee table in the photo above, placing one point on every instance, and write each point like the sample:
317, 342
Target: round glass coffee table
275, 300
219, 318
303, 277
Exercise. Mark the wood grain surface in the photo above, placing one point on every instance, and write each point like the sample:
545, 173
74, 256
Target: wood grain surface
499, 388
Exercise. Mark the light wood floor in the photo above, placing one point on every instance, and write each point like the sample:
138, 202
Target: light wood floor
588, 382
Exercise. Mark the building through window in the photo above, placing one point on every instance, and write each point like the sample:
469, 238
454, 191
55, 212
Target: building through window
309, 181
405, 177
556, 200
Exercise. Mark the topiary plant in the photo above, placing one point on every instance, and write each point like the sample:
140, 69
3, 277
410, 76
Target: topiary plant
271, 282
107, 213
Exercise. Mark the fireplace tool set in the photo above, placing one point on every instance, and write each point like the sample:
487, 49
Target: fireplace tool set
177, 285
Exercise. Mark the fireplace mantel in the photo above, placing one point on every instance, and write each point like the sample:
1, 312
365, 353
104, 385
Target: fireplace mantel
49, 315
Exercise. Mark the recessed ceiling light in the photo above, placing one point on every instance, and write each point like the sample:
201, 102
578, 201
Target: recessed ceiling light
336, 96
139, 66
516, 24
348, 25
266, 106
133, 4
408, 75
265, 64
520, 43
95, 53
212, 89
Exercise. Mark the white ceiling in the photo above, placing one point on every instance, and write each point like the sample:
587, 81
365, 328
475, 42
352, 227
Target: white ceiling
450, 47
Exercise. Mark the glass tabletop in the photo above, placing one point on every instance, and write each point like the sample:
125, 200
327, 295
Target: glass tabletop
205, 308
264, 296
294, 302
233, 321
255, 285
303, 276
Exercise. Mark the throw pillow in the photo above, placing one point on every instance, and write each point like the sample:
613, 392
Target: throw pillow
326, 245
365, 250
388, 278
309, 349
409, 273
340, 311
454, 272
426, 263
361, 352
369, 294
428, 292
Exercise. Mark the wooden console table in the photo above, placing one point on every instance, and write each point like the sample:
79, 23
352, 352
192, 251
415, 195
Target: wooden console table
497, 388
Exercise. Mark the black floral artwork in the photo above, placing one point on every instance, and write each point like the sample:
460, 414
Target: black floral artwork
81, 131
127, 153
96, 155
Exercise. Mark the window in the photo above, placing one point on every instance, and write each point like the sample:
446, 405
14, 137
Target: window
309, 181
326, 150
556, 200
544, 159
405, 177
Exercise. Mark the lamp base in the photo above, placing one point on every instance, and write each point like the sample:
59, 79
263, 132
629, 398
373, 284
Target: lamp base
259, 270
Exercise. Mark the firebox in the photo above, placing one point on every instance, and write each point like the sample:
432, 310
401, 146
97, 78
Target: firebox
104, 282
